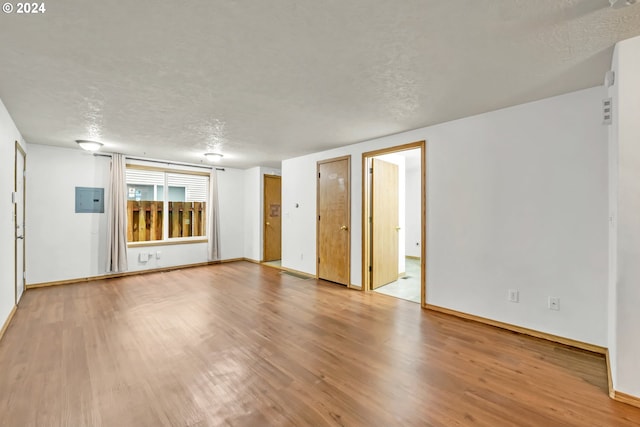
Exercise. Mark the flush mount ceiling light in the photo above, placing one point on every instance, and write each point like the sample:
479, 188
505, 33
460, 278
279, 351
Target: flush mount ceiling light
89, 145
213, 157
617, 4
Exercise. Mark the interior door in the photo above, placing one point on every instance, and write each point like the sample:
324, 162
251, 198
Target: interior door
333, 234
19, 221
384, 220
272, 218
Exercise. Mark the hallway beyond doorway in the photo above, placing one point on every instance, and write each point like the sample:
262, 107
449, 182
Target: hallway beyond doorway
277, 263
408, 286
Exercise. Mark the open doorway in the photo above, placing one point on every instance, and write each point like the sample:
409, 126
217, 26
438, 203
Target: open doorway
272, 232
394, 216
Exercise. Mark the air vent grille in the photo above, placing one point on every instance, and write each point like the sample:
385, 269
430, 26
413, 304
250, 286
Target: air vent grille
607, 111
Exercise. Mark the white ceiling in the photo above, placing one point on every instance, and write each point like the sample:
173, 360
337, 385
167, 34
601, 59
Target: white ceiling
263, 81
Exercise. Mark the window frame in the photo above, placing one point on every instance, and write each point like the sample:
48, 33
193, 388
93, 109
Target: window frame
166, 240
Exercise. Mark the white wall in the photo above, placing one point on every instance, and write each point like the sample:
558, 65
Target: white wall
252, 214
63, 245
612, 297
413, 211
230, 188
299, 211
625, 141
60, 243
170, 256
517, 198
254, 210
9, 134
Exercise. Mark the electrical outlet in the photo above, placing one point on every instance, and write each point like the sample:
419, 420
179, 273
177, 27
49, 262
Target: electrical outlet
554, 303
513, 295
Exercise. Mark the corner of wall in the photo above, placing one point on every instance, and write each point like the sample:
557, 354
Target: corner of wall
9, 134
625, 270
613, 241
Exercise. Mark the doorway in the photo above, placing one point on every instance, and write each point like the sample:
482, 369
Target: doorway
272, 241
394, 221
19, 217
333, 235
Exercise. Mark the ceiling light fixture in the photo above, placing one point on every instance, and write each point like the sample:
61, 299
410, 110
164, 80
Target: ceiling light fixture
617, 4
213, 157
89, 145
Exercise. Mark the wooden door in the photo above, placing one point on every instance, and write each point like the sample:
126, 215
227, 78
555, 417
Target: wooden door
272, 236
384, 219
333, 231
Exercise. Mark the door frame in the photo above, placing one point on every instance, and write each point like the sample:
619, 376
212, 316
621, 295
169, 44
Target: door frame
19, 149
366, 214
264, 213
334, 159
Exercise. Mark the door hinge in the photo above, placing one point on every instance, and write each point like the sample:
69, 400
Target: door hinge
370, 170
318, 217
369, 268
24, 275
318, 175
318, 260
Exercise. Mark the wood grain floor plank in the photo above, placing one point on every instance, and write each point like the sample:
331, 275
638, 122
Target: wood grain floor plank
240, 344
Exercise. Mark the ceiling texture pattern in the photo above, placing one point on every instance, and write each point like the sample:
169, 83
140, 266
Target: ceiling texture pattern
264, 81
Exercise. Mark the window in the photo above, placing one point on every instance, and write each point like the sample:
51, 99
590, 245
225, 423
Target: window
164, 205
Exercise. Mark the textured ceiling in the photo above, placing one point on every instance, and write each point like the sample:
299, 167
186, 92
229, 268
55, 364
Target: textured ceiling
263, 81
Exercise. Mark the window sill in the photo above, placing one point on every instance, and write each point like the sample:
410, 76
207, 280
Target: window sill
165, 242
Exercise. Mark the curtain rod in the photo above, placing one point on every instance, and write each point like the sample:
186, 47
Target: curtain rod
161, 161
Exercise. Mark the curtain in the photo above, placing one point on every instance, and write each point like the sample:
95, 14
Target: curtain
213, 218
117, 216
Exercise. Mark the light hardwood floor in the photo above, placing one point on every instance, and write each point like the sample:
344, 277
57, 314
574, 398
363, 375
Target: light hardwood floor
243, 345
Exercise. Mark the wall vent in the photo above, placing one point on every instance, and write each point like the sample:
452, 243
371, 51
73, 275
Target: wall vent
607, 111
